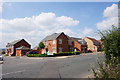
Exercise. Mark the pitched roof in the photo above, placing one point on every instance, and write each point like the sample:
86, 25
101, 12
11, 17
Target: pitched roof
100, 41
79, 40
14, 42
69, 38
52, 37
96, 42
23, 48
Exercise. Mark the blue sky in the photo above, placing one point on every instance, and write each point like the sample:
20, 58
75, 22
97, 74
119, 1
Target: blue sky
83, 16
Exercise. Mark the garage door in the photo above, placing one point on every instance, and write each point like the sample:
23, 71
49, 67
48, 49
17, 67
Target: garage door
18, 52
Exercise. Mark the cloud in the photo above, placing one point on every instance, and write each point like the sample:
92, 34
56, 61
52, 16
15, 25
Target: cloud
35, 28
87, 31
67, 21
106, 24
1, 4
111, 14
111, 11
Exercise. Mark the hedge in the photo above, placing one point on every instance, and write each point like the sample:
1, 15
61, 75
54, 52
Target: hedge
55, 54
66, 53
39, 55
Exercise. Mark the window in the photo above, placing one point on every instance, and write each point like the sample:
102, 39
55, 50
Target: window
43, 51
82, 49
70, 42
53, 50
53, 41
46, 42
71, 49
60, 41
60, 50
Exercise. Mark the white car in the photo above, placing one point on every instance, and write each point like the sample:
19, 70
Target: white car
1, 58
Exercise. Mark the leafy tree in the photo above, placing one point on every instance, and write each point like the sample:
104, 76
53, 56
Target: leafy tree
41, 45
111, 42
3, 52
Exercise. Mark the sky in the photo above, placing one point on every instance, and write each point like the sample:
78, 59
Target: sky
33, 21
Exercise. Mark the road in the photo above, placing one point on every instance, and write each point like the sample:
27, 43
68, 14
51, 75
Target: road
75, 66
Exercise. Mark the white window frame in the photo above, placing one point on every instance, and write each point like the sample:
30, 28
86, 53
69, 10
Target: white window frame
46, 42
60, 40
53, 42
52, 50
43, 51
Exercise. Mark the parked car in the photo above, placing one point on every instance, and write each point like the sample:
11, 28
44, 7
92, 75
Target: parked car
1, 58
31, 52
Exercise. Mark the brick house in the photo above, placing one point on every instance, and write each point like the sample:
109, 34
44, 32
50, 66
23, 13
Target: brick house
59, 42
93, 44
11, 47
21, 51
80, 44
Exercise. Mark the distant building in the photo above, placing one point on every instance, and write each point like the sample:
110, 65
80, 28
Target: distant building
57, 42
80, 44
1, 50
60, 42
17, 44
92, 44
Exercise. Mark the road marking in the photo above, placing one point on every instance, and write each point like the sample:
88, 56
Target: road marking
12, 72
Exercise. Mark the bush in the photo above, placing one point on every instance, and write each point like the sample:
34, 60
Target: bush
3, 52
108, 71
111, 43
66, 53
39, 55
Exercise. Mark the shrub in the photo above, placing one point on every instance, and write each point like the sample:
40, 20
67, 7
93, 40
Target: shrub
110, 69
66, 53
39, 55
3, 52
107, 71
111, 43
55, 54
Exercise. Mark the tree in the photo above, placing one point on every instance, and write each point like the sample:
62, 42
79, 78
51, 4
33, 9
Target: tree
111, 42
3, 52
41, 45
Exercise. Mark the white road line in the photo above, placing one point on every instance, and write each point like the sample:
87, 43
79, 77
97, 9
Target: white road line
12, 72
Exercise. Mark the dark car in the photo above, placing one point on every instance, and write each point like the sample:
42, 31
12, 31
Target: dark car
31, 52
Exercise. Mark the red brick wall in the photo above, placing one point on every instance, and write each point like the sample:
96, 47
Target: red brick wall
50, 45
64, 44
77, 46
19, 44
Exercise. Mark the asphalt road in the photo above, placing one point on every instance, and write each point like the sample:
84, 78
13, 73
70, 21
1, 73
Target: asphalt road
76, 66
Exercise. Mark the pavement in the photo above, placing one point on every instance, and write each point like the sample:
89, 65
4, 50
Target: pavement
75, 66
